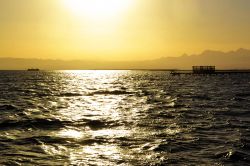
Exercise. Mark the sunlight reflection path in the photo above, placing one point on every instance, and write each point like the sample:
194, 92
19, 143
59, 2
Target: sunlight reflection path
97, 113
108, 121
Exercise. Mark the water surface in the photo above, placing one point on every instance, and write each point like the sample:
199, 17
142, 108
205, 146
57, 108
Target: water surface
123, 118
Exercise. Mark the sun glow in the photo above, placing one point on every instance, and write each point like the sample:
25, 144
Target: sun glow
98, 9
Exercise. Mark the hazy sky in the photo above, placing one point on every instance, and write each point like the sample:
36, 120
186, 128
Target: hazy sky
121, 29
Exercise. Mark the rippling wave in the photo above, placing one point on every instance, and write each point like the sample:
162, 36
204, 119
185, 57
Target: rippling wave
123, 118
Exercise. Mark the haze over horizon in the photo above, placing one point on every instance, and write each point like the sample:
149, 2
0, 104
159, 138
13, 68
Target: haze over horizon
124, 30
236, 59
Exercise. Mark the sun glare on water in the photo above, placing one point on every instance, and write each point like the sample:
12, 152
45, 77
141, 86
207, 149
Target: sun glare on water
98, 9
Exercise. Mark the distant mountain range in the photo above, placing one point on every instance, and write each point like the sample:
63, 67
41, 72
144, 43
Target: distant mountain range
239, 59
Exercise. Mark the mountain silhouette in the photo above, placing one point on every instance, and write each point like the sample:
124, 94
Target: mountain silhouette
238, 59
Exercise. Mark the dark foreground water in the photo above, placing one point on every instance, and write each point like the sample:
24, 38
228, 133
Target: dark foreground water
123, 118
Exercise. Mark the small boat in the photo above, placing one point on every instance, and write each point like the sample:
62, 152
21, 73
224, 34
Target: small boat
173, 72
33, 70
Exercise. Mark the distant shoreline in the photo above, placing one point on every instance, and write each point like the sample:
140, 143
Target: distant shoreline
233, 60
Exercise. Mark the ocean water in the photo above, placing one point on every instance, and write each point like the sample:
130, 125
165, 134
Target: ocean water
123, 118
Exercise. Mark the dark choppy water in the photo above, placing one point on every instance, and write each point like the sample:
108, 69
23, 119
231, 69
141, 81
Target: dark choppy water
123, 118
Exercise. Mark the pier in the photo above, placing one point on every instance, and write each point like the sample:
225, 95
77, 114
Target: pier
207, 70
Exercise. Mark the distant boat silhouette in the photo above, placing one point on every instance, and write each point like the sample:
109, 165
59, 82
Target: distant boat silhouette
33, 70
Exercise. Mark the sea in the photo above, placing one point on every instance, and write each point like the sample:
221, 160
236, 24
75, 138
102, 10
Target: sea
123, 117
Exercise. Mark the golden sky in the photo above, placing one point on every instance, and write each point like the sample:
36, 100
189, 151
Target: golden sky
121, 29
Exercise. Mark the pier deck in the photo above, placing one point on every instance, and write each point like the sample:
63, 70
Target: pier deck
217, 72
